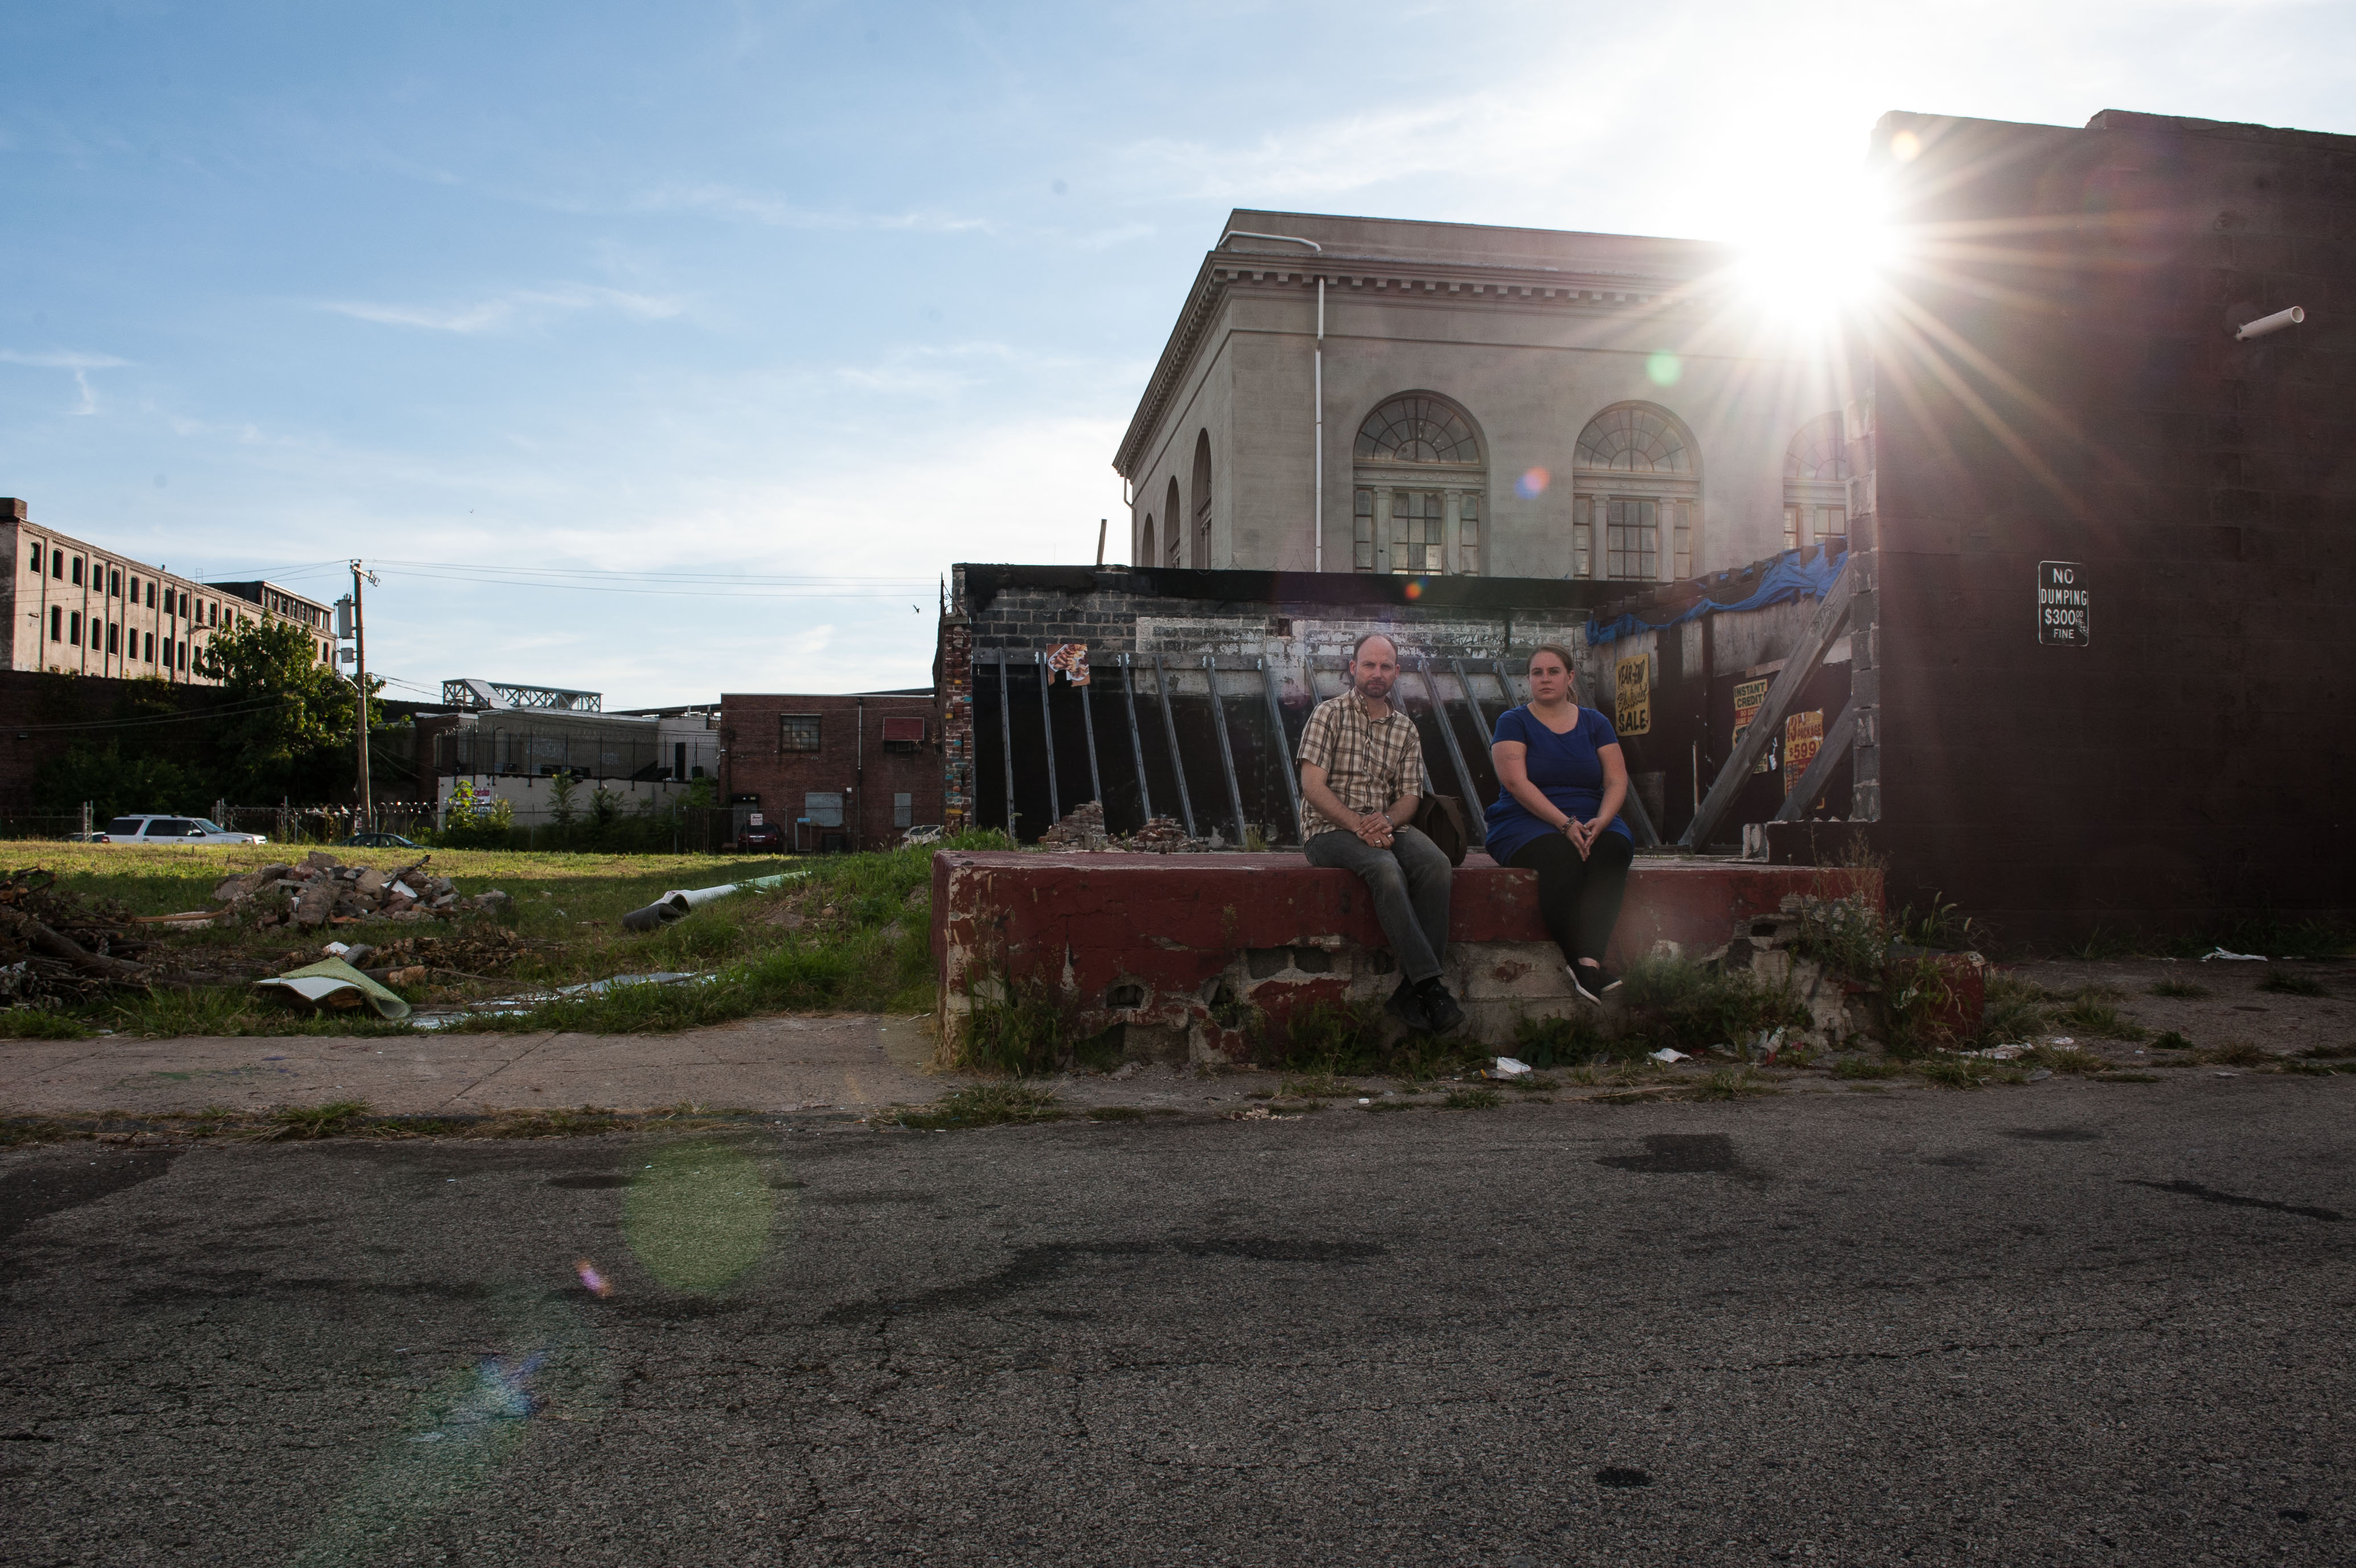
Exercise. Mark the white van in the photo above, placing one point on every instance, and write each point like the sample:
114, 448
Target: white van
171, 830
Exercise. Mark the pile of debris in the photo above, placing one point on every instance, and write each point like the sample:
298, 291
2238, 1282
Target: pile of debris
322, 891
57, 947
1163, 835
1082, 828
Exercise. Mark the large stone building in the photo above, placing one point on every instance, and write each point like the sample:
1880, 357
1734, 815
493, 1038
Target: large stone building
1450, 398
73, 607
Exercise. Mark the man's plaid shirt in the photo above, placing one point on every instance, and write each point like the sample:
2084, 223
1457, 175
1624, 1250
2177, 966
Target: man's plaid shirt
1368, 763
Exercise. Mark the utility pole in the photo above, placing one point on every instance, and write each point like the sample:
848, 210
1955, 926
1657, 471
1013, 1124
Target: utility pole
353, 625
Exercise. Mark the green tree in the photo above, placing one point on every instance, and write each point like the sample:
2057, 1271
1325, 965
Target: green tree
286, 721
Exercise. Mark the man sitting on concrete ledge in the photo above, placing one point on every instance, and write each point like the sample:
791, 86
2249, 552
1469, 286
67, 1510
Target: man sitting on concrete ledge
1361, 781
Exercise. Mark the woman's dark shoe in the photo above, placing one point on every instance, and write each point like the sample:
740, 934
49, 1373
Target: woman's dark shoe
1593, 981
1407, 1005
1439, 1007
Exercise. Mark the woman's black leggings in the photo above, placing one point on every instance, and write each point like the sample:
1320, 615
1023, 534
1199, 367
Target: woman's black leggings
1578, 899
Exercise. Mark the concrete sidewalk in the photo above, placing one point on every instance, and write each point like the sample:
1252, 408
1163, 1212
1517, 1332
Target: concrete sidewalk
852, 1062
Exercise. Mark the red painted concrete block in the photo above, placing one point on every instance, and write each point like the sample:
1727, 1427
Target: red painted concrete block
1178, 949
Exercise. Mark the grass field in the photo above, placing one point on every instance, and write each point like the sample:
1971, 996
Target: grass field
851, 933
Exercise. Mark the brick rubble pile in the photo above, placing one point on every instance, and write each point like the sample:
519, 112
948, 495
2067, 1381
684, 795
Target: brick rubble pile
322, 891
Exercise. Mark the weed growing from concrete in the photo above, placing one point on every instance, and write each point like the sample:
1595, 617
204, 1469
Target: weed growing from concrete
1116, 1114
2170, 1041
1868, 1067
1020, 1031
39, 1024
2092, 1011
312, 1120
1681, 1005
1574, 1037
2013, 1011
2238, 1053
2284, 983
1733, 1083
1314, 1086
984, 1105
1954, 1072
2182, 988
1472, 1100
1535, 1083
2066, 1058
1322, 1039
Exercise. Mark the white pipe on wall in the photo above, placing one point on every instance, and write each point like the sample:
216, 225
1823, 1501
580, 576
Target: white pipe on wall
1317, 452
2275, 323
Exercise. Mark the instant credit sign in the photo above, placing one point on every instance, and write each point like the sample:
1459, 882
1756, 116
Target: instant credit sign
2065, 614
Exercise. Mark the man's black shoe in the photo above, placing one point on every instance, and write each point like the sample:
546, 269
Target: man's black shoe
1439, 1007
1407, 1005
1593, 981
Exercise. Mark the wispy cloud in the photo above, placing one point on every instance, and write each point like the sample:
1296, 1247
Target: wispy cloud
78, 365
778, 211
517, 307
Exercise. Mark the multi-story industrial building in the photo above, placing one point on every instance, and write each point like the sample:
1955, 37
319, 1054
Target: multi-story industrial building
71, 607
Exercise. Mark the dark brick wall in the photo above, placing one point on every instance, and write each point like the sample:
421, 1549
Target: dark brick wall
2061, 383
41, 715
754, 762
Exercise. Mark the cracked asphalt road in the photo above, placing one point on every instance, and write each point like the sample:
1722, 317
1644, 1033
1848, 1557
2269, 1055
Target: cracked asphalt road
2075, 1323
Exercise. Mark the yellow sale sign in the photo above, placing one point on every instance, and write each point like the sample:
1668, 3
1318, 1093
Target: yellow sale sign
1632, 710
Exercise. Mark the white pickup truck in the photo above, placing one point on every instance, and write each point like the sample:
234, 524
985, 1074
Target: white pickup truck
171, 830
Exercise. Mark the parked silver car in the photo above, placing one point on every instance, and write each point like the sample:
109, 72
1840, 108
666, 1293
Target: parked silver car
171, 830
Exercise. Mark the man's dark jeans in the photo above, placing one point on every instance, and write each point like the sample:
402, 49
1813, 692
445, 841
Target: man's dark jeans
1409, 881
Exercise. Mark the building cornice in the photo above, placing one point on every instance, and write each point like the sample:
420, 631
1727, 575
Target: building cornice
1593, 292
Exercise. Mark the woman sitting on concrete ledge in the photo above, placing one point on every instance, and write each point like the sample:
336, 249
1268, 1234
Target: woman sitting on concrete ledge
1562, 780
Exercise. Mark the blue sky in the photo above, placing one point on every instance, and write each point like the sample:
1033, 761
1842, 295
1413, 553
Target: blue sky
774, 293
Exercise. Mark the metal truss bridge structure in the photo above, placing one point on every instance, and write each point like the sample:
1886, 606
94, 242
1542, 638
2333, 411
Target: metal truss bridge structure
476, 695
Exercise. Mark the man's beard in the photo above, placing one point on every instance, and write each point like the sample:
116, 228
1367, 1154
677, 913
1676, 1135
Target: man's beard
1375, 686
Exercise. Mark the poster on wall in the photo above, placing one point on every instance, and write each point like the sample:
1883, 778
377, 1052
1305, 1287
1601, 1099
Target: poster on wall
2065, 611
1804, 736
1750, 696
1072, 659
1633, 711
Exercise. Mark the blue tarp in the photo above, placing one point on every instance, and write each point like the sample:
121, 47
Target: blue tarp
1789, 578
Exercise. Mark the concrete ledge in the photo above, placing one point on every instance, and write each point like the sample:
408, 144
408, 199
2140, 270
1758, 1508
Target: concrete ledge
1179, 951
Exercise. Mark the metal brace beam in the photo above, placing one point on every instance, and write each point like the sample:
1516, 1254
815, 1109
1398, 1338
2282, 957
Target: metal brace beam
1226, 752
1448, 733
1805, 658
1170, 732
1006, 744
1047, 728
1284, 763
1136, 742
1820, 767
1479, 717
1088, 722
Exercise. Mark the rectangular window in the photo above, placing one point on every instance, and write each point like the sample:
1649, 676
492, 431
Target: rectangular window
823, 808
1362, 547
1833, 522
151, 595
56, 564
134, 590
213, 618
903, 811
151, 658
1632, 539
56, 624
77, 580
1467, 535
1418, 545
184, 664
37, 560
1582, 536
113, 584
1791, 528
1682, 539
114, 638
798, 732
73, 632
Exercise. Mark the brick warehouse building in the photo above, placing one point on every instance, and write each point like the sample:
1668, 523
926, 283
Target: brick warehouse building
846, 772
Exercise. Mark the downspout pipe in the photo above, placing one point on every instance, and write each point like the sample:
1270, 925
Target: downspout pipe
1317, 439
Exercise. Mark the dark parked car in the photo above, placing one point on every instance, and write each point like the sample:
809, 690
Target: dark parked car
376, 841
761, 835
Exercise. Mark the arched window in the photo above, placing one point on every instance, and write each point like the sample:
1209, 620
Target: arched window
1202, 500
1635, 496
1815, 483
1173, 536
1145, 556
1421, 489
